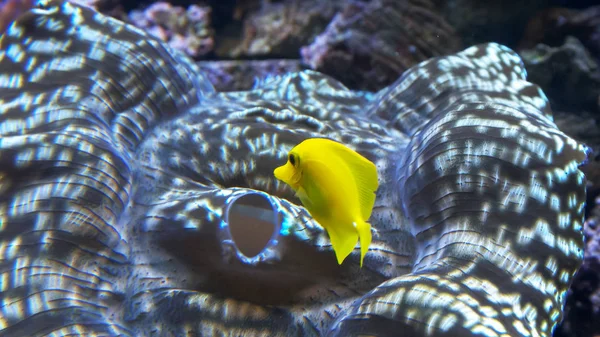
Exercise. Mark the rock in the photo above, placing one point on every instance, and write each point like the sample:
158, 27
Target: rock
368, 45
553, 25
568, 74
278, 30
582, 310
10, 10
492, 20
241, 75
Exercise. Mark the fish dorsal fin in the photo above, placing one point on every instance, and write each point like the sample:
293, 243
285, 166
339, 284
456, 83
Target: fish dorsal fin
364, 173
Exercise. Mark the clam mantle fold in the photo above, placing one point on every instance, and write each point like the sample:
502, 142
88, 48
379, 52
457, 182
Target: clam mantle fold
135, 200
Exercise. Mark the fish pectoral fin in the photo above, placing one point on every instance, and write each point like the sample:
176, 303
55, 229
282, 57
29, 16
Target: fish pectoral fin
301, 193
364, 233
303, 196
343, 241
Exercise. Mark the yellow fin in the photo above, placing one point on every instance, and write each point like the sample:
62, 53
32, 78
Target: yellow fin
364, 233
303, 196
364, 173
343, 242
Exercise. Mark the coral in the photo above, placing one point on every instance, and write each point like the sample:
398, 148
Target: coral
368, 45
280, 29
187, 30
11, 9
127, 183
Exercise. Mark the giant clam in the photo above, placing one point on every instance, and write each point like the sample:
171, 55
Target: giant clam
135, 200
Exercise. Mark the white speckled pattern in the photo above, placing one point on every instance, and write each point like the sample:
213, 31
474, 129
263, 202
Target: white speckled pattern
117, 159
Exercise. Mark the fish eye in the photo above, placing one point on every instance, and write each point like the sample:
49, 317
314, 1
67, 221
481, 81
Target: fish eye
292, 159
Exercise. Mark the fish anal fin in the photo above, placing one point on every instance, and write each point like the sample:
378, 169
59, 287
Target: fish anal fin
343, 242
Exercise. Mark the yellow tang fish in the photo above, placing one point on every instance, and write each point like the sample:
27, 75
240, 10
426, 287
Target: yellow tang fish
337, 186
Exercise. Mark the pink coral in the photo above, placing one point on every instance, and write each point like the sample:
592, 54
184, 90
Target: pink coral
187, 30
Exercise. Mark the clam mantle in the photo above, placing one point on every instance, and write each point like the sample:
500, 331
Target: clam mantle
136, 200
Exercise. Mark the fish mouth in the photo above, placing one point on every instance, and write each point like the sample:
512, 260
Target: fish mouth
288, 175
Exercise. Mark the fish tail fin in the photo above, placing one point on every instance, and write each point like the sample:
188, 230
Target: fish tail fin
364, 234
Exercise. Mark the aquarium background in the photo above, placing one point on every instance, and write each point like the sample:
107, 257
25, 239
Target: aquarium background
367, 45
